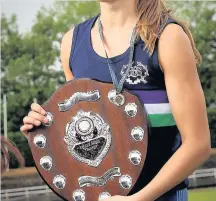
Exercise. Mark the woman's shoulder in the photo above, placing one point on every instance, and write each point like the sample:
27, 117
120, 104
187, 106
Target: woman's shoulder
173, 44
171, 37
172, 25
86, 23
81, 26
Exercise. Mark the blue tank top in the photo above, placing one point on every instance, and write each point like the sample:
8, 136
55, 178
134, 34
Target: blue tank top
146, 80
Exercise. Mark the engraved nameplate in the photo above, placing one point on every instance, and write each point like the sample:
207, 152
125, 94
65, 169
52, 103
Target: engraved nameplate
99, 181
77, 97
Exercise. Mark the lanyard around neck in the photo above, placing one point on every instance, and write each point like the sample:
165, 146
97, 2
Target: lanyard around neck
119, 85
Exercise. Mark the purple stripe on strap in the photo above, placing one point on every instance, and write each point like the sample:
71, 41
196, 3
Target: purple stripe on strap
153, 96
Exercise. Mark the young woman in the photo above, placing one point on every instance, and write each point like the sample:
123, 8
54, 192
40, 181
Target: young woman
164, 76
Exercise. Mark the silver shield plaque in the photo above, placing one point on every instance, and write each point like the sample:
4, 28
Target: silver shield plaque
88, 137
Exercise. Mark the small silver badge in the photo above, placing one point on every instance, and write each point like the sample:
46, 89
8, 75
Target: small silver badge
117, 99
131, 109
40, 140
125, 181
79, 195
135, 157
50, 118
46, 162
137, 133
59, 181
103, 196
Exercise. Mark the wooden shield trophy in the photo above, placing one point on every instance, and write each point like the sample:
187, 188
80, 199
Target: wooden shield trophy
95, 143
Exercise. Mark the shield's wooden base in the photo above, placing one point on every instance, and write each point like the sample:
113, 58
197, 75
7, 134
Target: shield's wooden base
122, 142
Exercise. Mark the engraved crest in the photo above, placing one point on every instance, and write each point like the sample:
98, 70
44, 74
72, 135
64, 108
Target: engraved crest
88, 137
137, 73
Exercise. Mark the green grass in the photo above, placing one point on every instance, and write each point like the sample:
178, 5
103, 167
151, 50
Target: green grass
204, 194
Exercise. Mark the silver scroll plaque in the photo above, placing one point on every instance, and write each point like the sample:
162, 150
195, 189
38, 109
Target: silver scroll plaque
99, 181
88, 137
77, 97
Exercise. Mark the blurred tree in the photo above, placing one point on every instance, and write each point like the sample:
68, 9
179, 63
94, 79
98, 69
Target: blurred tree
30, 63
22, 145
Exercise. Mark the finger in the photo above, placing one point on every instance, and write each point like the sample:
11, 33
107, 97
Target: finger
24, 129
37, 108
31, 120
38, 116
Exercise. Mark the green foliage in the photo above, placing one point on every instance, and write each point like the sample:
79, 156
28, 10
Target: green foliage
30, 62
22, 144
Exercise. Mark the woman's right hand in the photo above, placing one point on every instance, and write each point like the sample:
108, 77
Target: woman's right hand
35, 117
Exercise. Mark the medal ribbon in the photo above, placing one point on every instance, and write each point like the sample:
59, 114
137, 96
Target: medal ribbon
119, 85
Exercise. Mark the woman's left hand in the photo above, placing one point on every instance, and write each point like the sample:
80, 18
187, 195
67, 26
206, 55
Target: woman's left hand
119, 198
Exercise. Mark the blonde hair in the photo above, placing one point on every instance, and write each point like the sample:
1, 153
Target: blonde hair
153, 15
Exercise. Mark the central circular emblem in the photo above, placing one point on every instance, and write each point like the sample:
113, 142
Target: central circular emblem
84, 126
88, 137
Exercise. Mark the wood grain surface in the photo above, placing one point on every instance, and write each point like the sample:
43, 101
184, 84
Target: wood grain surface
122, 142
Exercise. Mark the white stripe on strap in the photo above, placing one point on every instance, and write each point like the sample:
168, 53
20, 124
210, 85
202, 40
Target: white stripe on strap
159, 108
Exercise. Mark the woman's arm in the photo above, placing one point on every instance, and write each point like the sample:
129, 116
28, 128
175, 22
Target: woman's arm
66, 45
188, 107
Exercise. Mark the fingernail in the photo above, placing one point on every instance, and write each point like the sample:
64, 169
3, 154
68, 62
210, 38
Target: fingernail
43, 112
45, 120
38, 122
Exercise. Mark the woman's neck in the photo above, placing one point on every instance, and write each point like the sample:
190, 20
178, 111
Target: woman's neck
118, 13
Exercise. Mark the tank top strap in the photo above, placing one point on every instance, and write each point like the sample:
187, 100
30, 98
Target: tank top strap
79, 35
169, 20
